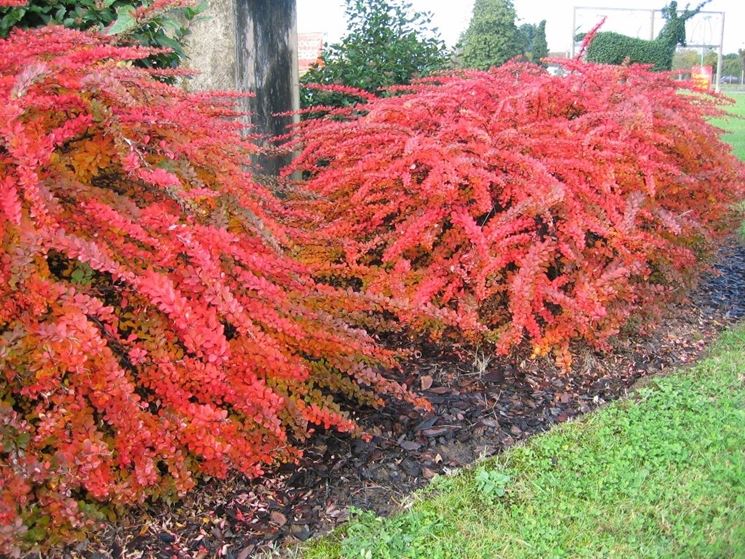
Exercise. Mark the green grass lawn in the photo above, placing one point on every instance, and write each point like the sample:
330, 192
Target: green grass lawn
661, 474
735, 126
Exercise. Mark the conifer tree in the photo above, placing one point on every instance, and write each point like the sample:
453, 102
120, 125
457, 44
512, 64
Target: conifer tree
492, 37
540, 46
533, 41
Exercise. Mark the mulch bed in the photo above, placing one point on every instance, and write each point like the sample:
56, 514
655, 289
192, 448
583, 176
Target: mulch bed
480, 408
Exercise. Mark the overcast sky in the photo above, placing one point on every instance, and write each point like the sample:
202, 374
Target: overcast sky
452, 16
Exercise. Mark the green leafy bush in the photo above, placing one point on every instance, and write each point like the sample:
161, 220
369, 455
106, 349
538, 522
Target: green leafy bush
386, 45
157, 24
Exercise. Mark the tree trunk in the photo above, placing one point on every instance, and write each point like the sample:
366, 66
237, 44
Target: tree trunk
251, 46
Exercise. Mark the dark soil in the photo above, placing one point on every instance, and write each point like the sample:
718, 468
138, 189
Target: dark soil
480, 406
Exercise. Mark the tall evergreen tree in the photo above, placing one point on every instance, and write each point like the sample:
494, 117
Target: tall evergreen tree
492, 37
527, 34
540, 45
533, 41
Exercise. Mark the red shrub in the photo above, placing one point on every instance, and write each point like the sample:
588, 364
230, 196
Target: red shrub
552, 208
151, 327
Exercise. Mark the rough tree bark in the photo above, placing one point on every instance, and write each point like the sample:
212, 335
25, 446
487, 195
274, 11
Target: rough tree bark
250, 45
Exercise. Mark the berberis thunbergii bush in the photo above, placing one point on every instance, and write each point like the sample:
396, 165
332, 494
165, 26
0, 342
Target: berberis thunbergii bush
538, 208
152, 328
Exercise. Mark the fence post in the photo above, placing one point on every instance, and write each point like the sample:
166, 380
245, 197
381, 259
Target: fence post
718, 85
574, 29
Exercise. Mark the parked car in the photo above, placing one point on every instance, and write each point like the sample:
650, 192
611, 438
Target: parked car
729, 79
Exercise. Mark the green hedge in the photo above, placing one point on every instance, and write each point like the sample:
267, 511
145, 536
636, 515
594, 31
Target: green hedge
614, 48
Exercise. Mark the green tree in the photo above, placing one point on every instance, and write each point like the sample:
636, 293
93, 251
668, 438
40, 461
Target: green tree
540, 45
533, 41
732, 65
685, 59
386, 44
710, 59
165, 27
526, 32
492, 37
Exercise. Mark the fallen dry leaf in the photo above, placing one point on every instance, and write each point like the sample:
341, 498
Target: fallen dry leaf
426, 381
277, 518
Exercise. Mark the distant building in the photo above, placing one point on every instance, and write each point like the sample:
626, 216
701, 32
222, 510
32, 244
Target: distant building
310, 49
